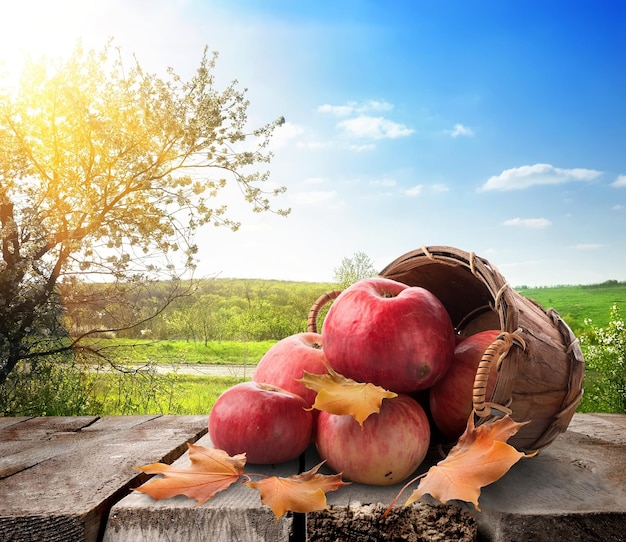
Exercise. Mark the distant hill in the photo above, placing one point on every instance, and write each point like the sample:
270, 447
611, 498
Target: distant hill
574, 303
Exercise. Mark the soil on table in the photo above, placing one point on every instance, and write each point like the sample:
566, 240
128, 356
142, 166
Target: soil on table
416, 523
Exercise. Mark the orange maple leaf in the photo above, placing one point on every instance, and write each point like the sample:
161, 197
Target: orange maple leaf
480, 457
340, 395
305, 492
211, 470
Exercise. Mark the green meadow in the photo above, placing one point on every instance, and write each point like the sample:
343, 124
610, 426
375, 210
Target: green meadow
577, 303
183, 394
145, 386
144, 351
167, 394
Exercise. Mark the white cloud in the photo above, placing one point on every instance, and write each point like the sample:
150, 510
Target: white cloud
320, 145
461, 130
620, 182
313, 197
617, 207
284, 134
414, 192
315, 180
374, 128
314, 145
376, 105
360, 121
384, 182
534, 223
440, 188
587, 246
353, 107
362, 148
538, 174
338, 110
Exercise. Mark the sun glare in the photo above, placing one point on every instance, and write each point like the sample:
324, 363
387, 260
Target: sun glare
38, 27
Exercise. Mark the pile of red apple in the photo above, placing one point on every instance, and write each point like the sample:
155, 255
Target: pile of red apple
379, 331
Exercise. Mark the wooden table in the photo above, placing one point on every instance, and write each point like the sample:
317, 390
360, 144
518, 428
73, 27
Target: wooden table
69, 479
60, 476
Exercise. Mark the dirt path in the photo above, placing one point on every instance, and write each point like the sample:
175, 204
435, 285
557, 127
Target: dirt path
241, 371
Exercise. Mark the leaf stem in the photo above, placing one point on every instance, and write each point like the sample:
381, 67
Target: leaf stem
395, 499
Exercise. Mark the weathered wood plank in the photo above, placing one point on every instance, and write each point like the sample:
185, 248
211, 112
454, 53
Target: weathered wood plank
607, 427
233, 514
8, 422
61, 475
574, 490
19, 449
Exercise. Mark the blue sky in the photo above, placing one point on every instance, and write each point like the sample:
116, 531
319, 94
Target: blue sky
494, 127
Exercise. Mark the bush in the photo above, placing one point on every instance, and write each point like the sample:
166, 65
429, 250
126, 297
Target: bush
64, 386
50, 386
134, 391
605, 359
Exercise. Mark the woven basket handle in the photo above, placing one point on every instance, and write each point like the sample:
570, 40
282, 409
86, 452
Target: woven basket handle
317, 307
497, 350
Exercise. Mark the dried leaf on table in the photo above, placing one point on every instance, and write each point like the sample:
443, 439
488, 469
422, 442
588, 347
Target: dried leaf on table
480, 457
211, 470
305, 492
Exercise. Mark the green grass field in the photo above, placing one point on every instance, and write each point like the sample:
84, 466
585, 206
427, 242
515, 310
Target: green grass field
576, 303
182, 394
135, 351
167, 394
573, 303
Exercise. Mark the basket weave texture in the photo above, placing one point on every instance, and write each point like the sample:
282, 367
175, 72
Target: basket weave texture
540, 383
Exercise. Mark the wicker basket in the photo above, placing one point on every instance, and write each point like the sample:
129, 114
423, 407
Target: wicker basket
539, 362
539, 379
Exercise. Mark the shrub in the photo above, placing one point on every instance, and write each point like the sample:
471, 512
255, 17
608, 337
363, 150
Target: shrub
55, 385
605, 359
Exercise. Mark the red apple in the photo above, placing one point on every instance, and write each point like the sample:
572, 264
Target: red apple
396, 336
285, 362
269, 424
451, 397
387, 450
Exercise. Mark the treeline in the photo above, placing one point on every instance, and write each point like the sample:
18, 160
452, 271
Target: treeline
611, 283
212, 309
258, 310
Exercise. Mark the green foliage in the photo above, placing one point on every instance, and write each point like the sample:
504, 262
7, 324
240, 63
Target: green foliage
108, 171
136, 352
134, 392
197, 394
147, 392
575, 304
62, 387
239, 310
54, 386
353, 269
605, 358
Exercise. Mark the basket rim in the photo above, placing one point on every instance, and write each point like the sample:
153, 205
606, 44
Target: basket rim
502, 293
506, 304
510, 307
